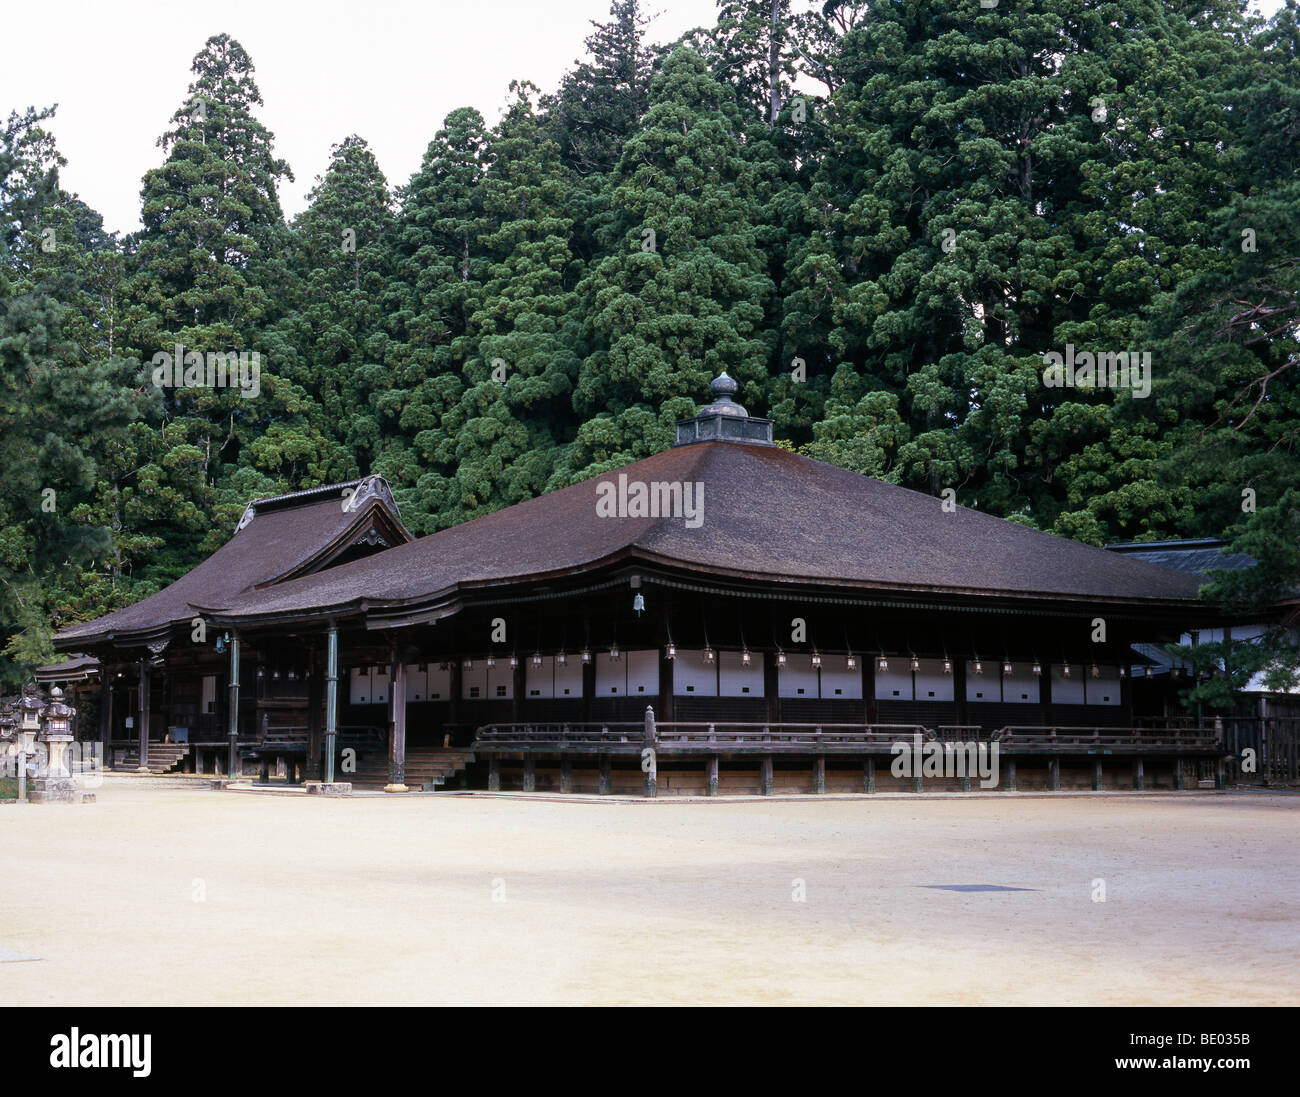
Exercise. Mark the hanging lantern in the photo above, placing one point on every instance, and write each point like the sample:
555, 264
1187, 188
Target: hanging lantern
947, 666
780, 658
850, 662
916, 663
638, 604
1095, 670
979, 667
561, 660
1038, 668
670, 652
1007, 669
537, 658
514, 661
1123, 671
1147, 670
468, 664
613, 652
491, 661
585, 656
709, 655
745, 658
816, 659
882, 664
1065, 670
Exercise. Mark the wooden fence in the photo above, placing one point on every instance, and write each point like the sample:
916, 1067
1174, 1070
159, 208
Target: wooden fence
1262, 751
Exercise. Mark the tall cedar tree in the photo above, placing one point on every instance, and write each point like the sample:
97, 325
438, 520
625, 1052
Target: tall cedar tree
680, 296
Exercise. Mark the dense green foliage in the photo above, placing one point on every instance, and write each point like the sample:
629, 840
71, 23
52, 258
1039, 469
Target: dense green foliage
879, 216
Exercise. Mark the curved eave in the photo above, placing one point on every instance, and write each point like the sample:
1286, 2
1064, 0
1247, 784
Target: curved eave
444, 602
122, 638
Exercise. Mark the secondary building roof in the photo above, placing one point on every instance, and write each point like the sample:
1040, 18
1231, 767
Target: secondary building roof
1200, 556
277, 537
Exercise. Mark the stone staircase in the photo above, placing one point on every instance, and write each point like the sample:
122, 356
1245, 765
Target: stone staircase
432, 766
163, 758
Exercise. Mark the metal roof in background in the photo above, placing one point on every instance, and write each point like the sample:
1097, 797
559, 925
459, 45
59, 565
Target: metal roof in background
1197, 556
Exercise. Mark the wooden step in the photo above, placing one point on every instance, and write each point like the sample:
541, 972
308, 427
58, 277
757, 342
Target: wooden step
423, 767
163, 757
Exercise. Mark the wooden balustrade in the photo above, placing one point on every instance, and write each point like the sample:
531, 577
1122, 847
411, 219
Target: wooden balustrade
729, 737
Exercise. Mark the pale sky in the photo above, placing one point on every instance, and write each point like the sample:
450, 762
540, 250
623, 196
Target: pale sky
389, 70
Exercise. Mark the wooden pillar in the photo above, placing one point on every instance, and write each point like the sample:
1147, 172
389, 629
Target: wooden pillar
455, 707
566, 775
106, 712
315, 717
649, 755
1045, 693
771, 687
396, 723
667, 706
588, 688
518, 691
1139, 775
711, 776
819, 774
606, 777
869, 775
331, 700
1009, 785
959, 690
766, 784
1054, 774
494, 773
142, 699
918, 784
869, 689
530, 773
232, 715
1096, 775
1178, 773
1219, 774
1126, 688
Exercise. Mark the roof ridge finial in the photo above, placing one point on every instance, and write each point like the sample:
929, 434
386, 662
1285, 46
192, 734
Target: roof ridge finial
723, 388
724, 419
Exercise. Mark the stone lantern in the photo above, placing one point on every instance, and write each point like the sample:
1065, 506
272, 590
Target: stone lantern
55, 783
30, 710
8, 731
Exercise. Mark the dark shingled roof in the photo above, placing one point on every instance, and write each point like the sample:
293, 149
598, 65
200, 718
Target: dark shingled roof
276, 536
768, 514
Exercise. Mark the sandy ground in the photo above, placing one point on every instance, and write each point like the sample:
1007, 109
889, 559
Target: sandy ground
166, 893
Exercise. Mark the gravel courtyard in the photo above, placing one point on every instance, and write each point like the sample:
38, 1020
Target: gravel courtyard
164, 892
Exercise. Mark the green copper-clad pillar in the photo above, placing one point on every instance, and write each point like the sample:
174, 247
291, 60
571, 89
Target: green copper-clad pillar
232, 763
331, 701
